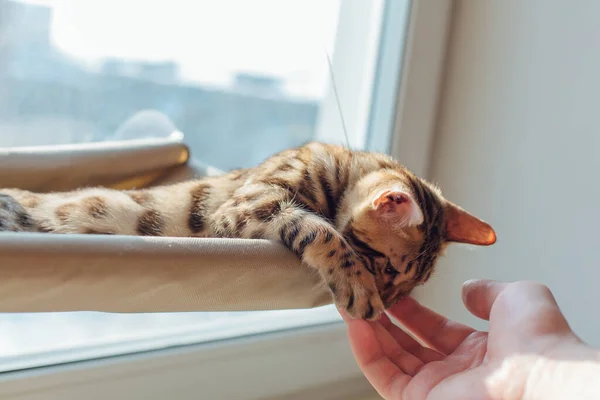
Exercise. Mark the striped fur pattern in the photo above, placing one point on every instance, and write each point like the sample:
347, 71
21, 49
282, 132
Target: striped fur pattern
371, 228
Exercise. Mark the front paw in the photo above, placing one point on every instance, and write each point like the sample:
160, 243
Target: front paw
357, 295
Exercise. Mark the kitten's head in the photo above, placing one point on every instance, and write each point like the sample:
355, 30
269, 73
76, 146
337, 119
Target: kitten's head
400, 224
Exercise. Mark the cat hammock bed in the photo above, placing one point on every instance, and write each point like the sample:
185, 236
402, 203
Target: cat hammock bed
57, 272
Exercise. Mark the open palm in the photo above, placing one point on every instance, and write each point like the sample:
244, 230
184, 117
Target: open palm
458, 362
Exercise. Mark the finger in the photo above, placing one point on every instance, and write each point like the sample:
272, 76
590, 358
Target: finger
479, 296
408, 343
407, 362
532, 309
383, 374
433, 329
392, 349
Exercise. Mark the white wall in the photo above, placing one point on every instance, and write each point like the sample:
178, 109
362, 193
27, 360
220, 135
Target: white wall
518, 144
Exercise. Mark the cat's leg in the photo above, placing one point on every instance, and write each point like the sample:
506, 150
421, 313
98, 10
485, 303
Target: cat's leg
269, 214
161, 211
89, 211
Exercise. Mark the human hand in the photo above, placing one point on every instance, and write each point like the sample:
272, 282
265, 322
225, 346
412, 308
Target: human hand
529, 350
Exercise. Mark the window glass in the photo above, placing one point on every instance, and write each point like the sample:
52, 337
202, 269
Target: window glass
241, 79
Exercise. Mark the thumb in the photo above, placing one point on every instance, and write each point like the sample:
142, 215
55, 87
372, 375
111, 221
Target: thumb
479, 295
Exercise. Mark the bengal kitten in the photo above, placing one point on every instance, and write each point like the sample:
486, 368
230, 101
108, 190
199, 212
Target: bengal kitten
370, 227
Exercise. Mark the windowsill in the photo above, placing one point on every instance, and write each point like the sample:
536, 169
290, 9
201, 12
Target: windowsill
264, 366
149, 335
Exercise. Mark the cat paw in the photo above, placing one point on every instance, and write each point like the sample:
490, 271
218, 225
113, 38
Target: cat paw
357, 295
14, 217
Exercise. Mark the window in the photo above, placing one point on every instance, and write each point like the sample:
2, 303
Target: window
241, 79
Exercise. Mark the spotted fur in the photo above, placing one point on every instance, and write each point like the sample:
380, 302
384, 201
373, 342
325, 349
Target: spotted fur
318, 200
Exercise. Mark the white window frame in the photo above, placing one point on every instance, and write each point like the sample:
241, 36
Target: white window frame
421, 83
315, 360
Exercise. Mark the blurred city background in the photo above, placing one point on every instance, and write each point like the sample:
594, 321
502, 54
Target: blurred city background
234, 112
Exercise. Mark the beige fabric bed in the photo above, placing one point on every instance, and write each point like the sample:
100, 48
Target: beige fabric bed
44, 272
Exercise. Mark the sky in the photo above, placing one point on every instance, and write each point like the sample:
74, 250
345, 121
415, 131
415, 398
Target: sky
210, 39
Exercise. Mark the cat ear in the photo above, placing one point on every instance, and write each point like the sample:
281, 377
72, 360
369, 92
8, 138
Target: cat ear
398, 205
462, 227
